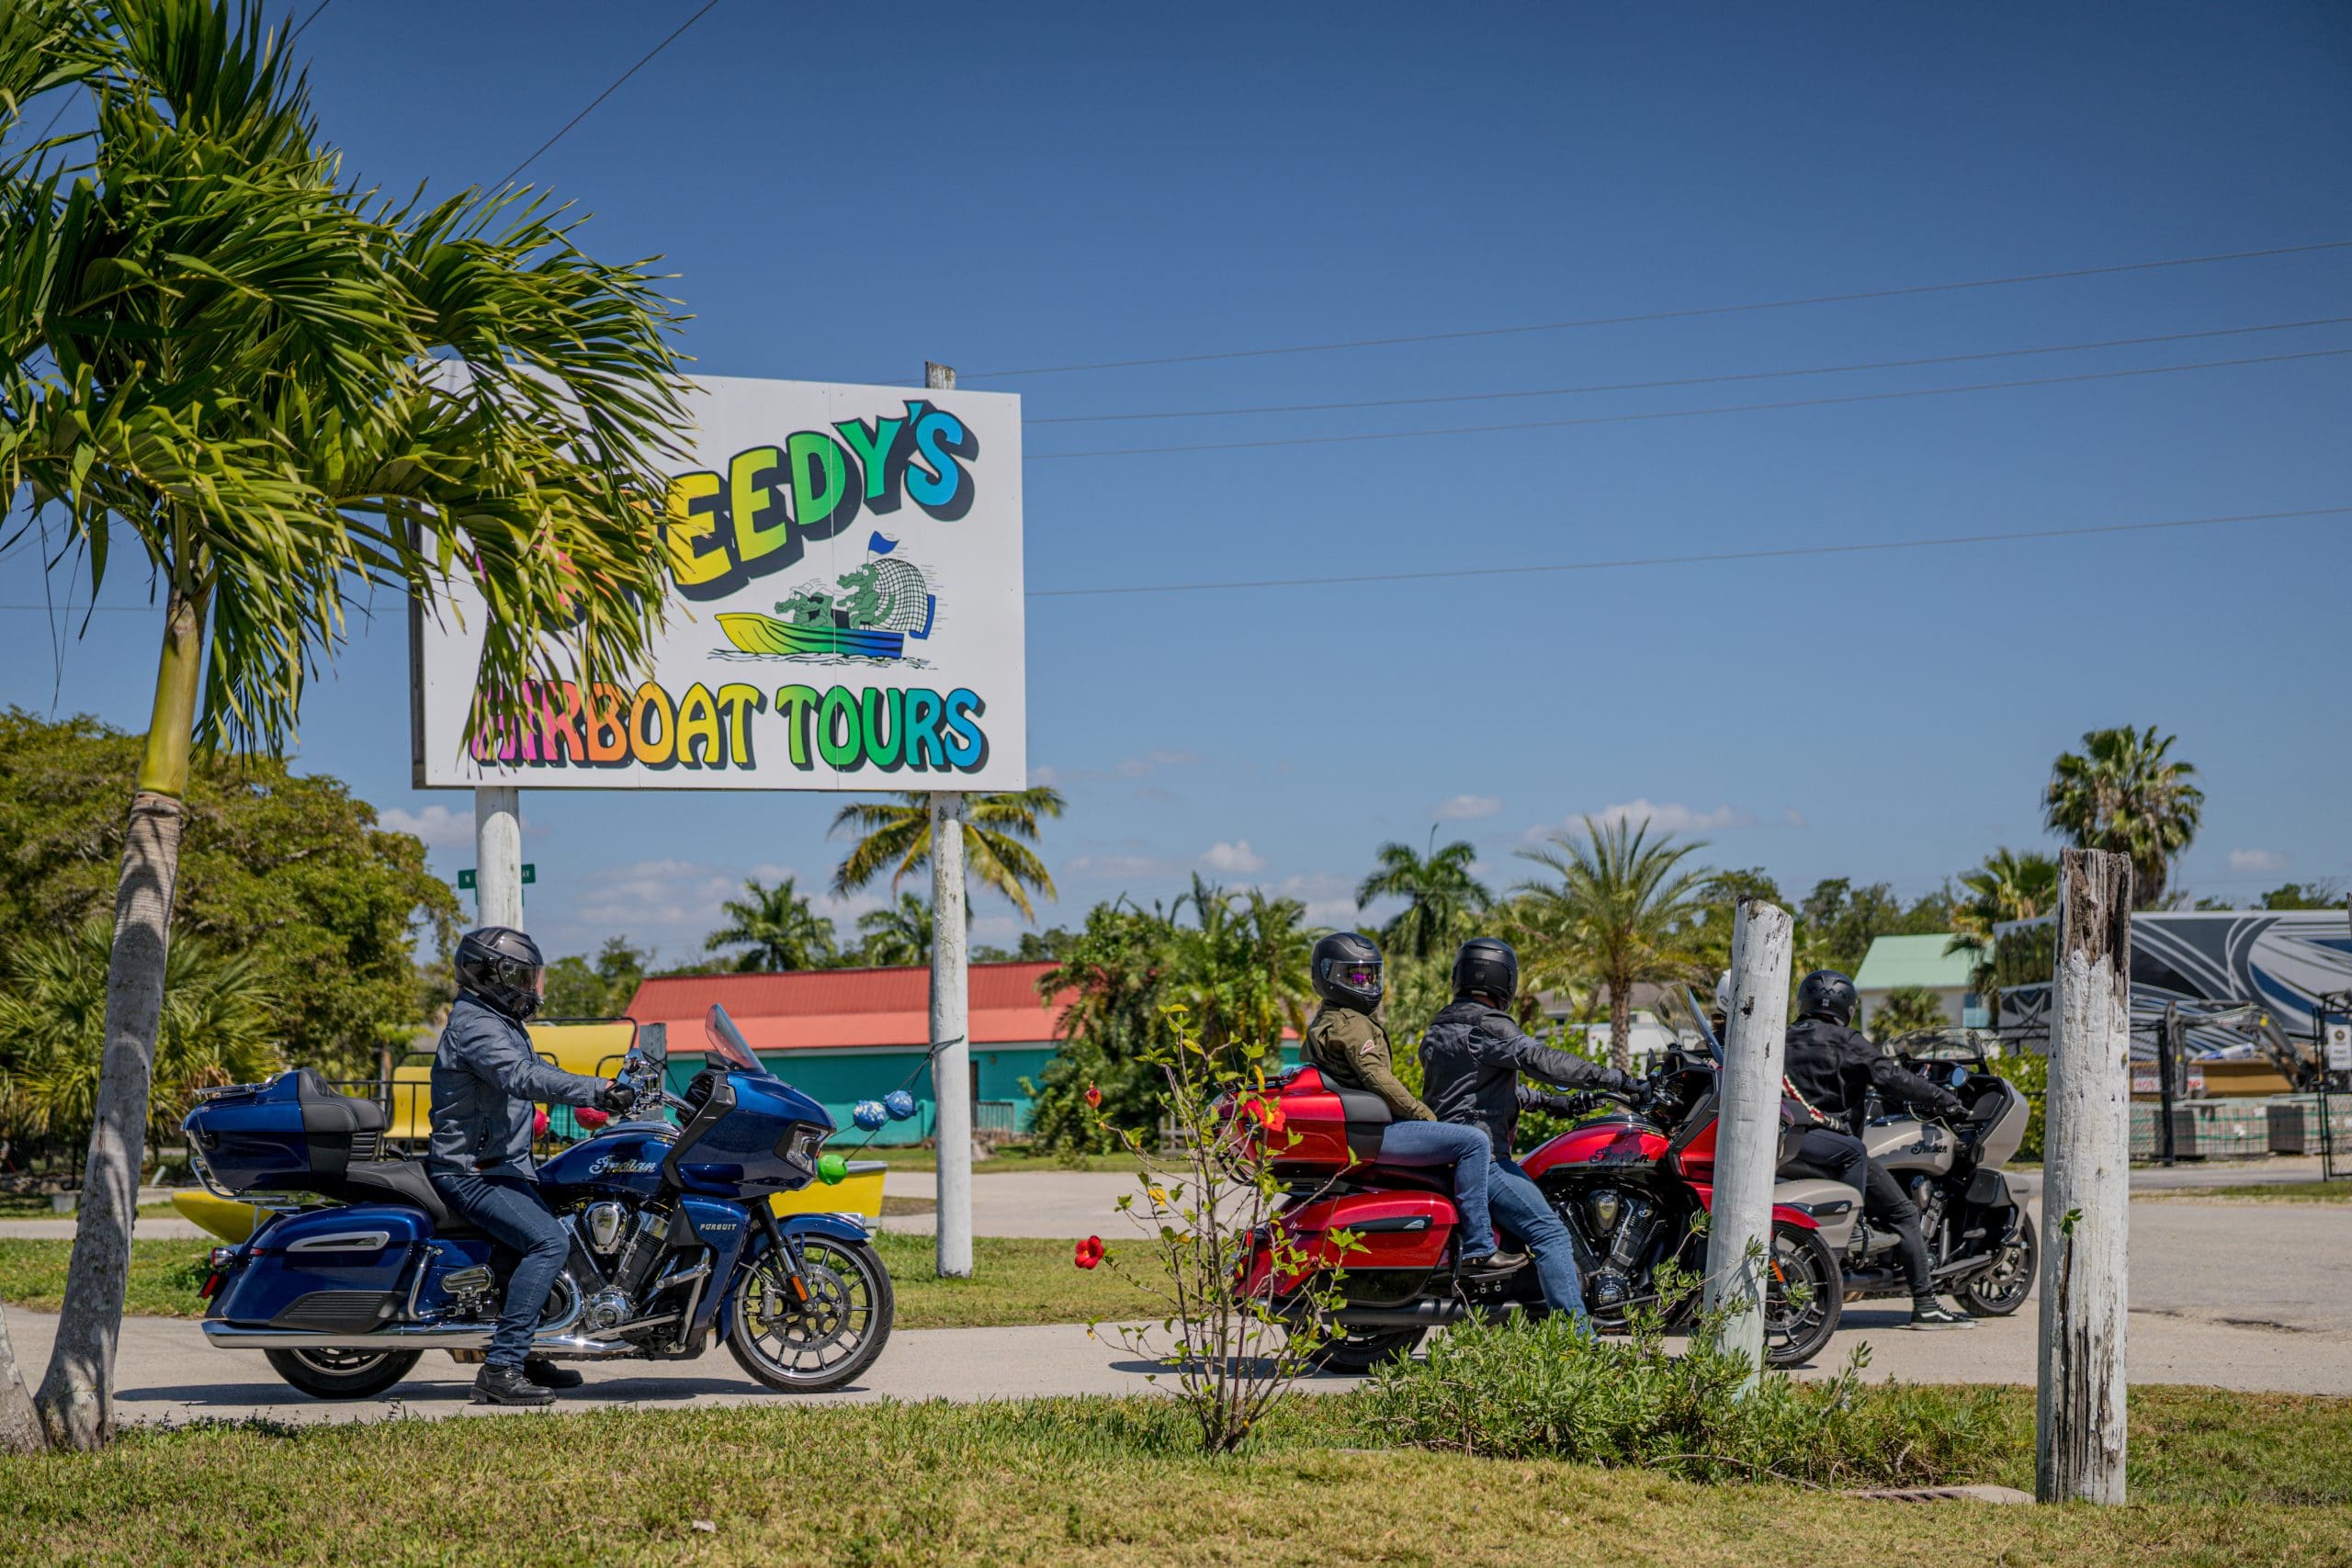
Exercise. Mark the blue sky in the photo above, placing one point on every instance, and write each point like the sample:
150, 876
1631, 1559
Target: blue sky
845, 193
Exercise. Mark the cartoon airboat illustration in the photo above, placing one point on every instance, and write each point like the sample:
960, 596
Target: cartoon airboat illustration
869, 612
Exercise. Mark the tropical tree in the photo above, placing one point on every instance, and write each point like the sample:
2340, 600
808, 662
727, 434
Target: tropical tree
1623, 909
215, 1028
894, 836
1440, 896
283, 391
898, 934
776, 929
2010, 885
1907, 1010
1240, 969
2123, 792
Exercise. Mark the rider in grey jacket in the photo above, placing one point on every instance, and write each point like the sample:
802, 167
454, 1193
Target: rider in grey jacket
485, 1078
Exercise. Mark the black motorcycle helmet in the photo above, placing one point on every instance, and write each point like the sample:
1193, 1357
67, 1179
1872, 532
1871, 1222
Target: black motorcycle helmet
1486, 966
1827, 994
1346, 971
502, 969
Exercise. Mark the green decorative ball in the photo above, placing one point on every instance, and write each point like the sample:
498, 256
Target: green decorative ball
832, 1169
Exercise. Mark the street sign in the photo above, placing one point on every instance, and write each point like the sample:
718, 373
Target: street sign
844, 565
2339, 1047
465, 877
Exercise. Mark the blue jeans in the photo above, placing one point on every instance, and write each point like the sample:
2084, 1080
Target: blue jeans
517, 1218
1419, 1144
1523, 1214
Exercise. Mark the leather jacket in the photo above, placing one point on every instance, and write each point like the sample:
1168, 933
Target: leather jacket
485, 1083
1832, 1067
1472, 1055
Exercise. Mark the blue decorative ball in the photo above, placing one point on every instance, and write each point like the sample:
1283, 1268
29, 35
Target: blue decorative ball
899, 1104
869, 1114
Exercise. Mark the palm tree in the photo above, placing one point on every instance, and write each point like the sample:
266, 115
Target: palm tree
775, 928
284, 390
895, 836
1624, 912
2121, 792
898, 934
1441, 895
2009, 886
1908, 1010
1241, 970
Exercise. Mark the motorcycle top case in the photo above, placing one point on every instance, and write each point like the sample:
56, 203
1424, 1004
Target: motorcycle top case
1325, 1127
294, 1133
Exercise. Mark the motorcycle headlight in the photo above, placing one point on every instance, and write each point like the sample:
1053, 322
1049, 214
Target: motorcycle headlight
800, 1145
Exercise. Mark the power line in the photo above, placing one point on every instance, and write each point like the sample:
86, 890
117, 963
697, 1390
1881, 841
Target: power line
1685, 413
648, 59
1788, 552
1695, 380
1625, 563
1685, 314
313, 17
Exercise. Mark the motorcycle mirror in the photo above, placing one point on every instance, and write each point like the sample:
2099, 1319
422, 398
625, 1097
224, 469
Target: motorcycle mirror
654, 1042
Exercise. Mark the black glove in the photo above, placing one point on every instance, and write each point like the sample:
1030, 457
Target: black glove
615, 1097
1614, 1082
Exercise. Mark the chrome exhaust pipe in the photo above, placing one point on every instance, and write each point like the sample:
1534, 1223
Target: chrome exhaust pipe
404, 1336
1414, 1315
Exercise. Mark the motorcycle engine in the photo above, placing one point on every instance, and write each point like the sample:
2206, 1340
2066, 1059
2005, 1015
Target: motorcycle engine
606, 1309
1625, 1221
603, 1223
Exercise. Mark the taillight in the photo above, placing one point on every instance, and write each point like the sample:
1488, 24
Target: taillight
211, 1288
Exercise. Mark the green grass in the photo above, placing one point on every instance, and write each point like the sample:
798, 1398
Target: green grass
1117, 1482
1015, 1282
30, 1206
2253, 1192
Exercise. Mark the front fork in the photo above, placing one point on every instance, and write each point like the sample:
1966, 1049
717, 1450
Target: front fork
794, 1280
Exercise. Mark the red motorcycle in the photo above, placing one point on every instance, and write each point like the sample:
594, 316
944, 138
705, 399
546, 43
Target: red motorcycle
1630, 1182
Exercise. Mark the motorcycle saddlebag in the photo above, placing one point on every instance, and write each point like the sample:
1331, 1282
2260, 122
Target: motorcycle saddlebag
293, 1133
331, 1271
1390, 1230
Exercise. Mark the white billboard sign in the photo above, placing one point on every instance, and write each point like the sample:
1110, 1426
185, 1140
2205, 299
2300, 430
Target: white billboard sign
845, 612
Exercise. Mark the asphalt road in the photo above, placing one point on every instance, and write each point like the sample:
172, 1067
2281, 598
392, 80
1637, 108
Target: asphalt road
2252, 1296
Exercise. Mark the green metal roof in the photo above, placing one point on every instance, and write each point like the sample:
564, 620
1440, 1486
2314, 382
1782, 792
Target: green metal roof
1895, 961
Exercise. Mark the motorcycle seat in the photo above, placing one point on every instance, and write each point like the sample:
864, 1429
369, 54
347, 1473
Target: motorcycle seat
327, 1111
404, 1182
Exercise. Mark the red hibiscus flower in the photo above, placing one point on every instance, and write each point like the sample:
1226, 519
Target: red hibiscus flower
1090, 1252
1094, 1097
538, 1124
588, 1116
1267, 1114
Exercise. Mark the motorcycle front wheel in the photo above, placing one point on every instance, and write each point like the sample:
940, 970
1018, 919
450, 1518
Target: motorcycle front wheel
824, 1343
2003, 1288
1805, 1296
343, 1374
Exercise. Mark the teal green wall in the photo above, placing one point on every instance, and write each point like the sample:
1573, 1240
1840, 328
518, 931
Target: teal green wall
839, 1079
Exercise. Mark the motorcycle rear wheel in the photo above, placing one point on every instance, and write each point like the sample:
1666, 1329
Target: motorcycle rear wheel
343, 1374
2003, 1288
1805, 1297
1366, 1349
826, 1343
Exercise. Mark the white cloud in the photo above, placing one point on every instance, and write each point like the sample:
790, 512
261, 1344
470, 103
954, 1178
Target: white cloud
2263, 860
1121, 867
1236, 859
440, 827
1467, 808
1673, 817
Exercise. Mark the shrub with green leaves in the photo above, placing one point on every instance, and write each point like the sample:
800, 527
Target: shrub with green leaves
2030, 1070
1549, 1389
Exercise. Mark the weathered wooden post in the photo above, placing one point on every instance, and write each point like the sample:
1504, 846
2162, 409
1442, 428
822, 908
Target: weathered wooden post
1747, 1138
2085, 1187
950, 1069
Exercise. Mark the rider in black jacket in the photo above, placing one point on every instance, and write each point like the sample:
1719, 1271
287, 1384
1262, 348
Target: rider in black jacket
1472, 1055
1831, 1067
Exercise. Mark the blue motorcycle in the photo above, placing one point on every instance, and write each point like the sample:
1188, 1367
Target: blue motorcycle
673, 1237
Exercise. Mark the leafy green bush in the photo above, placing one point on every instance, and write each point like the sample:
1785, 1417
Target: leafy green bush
1548, 1391
2030, 1070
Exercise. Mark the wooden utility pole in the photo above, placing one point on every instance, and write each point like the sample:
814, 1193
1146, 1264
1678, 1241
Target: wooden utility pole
2085, 1187
498, 856
1747, 1137
951, 1063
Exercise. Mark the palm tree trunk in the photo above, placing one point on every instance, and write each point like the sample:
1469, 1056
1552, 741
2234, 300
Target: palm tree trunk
1621, 1023
19, 1424
76, 1399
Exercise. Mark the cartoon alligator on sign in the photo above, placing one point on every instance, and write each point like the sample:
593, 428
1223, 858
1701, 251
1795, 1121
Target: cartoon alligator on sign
868, 614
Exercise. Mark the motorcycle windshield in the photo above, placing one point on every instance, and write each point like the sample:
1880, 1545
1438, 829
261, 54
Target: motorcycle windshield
727, 1043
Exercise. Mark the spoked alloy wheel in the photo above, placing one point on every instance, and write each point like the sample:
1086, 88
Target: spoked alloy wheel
1805, 1295
343, 1374
797, 1347
2003, 1288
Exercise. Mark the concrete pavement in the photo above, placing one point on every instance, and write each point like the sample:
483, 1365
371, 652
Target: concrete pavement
2250, 1297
